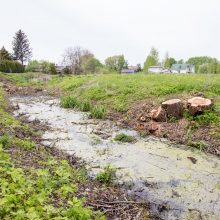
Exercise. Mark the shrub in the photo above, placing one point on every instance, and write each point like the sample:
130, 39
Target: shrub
41, 66
98, 112
124, 138
8, 66
68, 102
107, 176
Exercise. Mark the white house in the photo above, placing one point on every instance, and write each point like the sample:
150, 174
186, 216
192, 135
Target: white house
183, 68
155, 69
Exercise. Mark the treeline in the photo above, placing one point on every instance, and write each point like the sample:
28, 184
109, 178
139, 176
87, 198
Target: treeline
82, 61
203, 64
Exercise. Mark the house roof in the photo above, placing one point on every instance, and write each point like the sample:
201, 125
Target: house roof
156, 67
128, 71
182, 66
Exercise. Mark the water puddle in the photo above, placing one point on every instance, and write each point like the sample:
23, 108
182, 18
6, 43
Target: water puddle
154, 169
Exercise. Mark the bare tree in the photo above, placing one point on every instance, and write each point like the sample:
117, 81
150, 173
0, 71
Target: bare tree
74, 58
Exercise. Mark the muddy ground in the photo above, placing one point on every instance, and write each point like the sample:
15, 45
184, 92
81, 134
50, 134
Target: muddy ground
112, 200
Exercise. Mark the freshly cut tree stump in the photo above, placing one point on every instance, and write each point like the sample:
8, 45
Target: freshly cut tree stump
159, 115
198, 105
173, 108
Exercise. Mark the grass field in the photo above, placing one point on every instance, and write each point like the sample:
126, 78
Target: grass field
118, 92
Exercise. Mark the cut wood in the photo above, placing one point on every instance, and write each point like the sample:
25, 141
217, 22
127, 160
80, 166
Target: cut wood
159, 115
198, 105
173, 108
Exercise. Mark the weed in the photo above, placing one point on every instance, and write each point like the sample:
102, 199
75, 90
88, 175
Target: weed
124, 138
198, 144
68, 102
84, 106
107, 176
5, 140
98, 112
208, 117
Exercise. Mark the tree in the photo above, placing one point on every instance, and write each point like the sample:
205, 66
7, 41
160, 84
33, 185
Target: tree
4, 54
152, 59
116, 63
197, 61
21, 47
169, 61
90, 65
204, 68
74, 59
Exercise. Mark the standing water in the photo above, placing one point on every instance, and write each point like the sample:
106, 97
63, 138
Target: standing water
155, 170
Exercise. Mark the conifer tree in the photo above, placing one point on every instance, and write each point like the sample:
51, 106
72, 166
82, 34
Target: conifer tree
4, 54
21, 47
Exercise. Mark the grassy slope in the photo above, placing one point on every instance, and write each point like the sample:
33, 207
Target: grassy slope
120, 91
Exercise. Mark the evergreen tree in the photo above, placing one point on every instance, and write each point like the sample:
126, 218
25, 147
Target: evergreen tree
4, 54
21, 47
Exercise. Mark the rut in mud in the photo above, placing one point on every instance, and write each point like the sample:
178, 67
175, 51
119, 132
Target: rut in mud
185, 183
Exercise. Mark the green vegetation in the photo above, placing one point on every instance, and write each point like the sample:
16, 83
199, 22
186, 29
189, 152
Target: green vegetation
9, 66
198, 144
124, 138
97, 112
34, 184
119, 92
107, 176
41, 66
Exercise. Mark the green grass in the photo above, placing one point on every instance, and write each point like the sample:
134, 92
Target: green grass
118, 92
97, 112
124, 138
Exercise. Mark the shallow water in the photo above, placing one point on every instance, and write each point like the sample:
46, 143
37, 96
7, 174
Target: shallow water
155, 170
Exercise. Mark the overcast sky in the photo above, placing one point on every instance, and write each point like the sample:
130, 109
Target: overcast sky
184, 28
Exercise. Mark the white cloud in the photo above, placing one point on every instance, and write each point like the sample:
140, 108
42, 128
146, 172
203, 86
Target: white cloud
107, 27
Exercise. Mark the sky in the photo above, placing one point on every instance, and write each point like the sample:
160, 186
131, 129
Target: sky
183, 28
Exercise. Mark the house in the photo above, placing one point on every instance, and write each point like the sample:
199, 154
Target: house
60, 69
130, 70
155, 69
183, 68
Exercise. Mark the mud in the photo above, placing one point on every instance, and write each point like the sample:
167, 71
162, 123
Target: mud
181, 183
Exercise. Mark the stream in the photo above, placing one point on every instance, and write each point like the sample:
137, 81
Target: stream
152, 169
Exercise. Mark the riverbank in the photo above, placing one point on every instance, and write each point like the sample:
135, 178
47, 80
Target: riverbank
125, 99
44, 183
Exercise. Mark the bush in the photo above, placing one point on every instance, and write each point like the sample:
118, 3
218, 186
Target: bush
41, 66
8, 66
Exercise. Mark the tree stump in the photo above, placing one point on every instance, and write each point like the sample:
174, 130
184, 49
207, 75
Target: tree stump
197, 105
173, 108
159, 115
